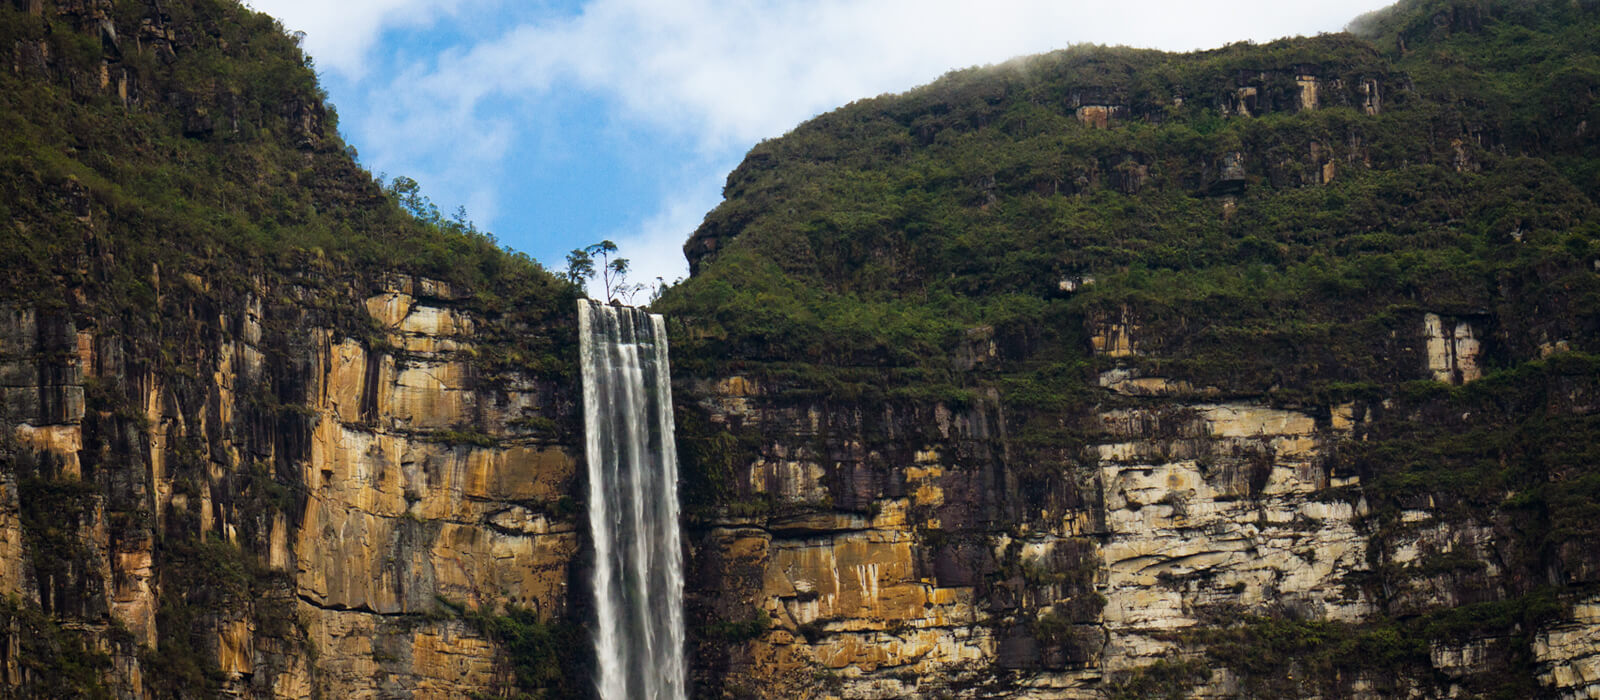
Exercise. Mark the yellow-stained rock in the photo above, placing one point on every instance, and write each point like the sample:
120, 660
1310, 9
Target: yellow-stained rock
12, 554
790, 480
435, 321
1308, 92
430, 396
433, 660
390, 309
1114, 336
1453, 350
235, 647
487, 568
63, 441
1235, 420
133, 600
1568, 652
1248, 530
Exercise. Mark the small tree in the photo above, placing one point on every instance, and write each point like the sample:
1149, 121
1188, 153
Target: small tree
408, 194
582, 266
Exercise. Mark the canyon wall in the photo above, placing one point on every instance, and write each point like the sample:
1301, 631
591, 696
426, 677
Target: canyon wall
316, 501
1265, 371
269, 427
1113, 374
1200, 543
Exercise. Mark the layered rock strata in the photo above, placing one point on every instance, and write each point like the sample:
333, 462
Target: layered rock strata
357, 480
902, 550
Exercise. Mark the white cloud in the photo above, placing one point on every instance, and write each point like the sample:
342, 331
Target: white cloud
340, 34
654, 248
731, 72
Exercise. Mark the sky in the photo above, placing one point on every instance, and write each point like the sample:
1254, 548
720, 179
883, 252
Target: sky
561, 123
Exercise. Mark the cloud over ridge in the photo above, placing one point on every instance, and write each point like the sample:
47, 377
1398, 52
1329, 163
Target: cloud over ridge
713, 76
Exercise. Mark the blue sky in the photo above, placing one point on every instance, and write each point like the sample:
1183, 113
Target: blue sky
561, 123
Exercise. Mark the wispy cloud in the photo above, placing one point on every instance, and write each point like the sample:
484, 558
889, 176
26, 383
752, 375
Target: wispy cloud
654, 247
341, 34
731, 72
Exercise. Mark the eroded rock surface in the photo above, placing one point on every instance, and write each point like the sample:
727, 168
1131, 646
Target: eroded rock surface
357, 475
892, 549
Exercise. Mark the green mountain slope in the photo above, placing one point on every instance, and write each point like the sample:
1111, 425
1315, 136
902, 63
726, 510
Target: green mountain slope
193, 136
984, 190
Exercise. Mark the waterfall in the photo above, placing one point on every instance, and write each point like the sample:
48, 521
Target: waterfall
633, 503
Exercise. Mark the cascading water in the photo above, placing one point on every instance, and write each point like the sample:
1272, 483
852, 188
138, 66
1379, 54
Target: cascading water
633, 503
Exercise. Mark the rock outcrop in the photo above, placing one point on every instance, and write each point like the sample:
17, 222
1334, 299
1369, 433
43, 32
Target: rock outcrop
350, 483
902, 550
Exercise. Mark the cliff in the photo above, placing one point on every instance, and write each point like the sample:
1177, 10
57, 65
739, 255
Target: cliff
1265, 371
286, 511
267, 434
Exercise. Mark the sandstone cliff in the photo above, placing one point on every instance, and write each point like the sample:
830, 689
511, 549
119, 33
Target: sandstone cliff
904, 551
306, 509
262, 433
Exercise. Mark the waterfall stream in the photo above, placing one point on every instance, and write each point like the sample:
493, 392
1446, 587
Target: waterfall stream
633, 503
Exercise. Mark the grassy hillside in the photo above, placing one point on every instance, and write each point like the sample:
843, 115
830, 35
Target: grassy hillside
900, 222
193, 136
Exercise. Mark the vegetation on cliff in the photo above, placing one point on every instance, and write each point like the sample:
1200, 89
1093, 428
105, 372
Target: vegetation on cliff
878, 234
1264, 221
143, 140
172, 182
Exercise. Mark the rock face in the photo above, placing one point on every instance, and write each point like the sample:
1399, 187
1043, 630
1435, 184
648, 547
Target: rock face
1569, 653
301, 495
896, 549
1453, 350
1234, 511
1254, 372
279, 470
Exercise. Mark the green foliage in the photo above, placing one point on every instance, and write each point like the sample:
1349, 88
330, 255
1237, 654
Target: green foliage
583, 264
708, 457
223, 161
1281, 655
1171, 680
1511, 441
465, 436
54, 661
1261, 647
737, 631
208, 168
896, 226
201, 580
54, 513
540, 425
928, 247
547, 658
962, 243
